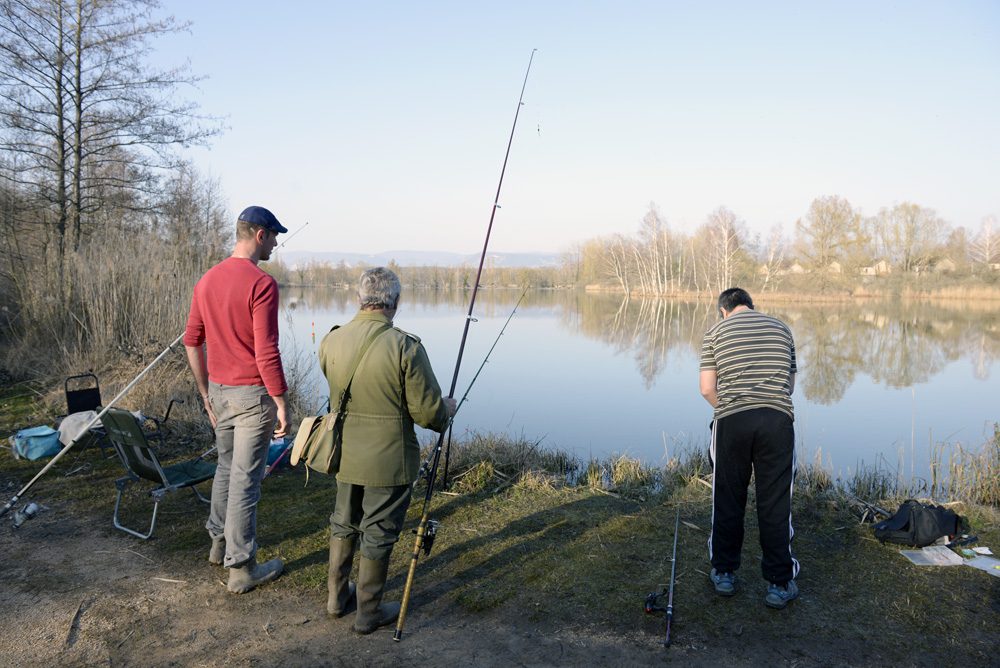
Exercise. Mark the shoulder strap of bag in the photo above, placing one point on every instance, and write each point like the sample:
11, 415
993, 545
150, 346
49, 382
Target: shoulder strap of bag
357, 362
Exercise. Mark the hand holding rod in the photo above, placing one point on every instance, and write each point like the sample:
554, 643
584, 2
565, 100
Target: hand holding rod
86, 428
424, 517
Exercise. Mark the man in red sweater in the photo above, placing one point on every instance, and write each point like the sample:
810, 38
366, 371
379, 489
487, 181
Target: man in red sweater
234, 314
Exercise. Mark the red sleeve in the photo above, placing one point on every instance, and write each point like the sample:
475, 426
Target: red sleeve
194, 333
264, 310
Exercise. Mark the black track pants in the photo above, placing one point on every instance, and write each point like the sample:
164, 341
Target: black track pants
761, 440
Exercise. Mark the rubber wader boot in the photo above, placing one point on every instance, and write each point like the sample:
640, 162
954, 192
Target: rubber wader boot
372, 613
217, 554
342, 598
251, 574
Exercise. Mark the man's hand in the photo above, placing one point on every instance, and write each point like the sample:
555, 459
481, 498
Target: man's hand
281, 423
708, 380
452, 405
208, 409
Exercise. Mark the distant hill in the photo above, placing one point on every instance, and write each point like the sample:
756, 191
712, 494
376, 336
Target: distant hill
405, 258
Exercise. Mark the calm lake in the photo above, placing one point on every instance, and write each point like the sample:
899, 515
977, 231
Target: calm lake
879, 382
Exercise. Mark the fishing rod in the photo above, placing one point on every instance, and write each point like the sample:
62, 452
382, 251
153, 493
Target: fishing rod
653, 599
282, 244
426, 465
86, 428
447, 451
425, 520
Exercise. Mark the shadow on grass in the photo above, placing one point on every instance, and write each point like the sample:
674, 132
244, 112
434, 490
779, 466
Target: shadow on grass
482, 559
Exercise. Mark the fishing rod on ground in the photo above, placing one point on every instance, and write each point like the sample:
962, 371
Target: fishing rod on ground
653, 599
427, 463
418, 544
86, 428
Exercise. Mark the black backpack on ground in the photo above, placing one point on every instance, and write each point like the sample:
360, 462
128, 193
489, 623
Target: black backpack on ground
918, 524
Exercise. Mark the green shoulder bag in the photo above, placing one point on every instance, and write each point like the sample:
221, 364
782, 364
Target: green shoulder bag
319, 438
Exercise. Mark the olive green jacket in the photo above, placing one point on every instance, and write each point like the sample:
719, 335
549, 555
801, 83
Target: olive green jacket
393, 388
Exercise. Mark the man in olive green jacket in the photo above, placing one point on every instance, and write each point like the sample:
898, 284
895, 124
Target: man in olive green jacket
393, 388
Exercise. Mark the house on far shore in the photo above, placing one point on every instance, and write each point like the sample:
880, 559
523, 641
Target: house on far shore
944, 266
880, 268
796, 268
995, 266
834, 268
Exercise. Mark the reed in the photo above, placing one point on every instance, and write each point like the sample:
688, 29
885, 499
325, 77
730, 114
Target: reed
972, 476
487, 458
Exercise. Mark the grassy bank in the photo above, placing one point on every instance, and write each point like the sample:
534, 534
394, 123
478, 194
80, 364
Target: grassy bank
533, 534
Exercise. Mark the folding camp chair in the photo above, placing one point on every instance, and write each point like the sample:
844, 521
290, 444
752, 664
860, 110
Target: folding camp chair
83, 393
140, 462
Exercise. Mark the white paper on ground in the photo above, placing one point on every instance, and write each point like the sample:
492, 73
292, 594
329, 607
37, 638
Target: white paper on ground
988, 564
982, 550
933, 555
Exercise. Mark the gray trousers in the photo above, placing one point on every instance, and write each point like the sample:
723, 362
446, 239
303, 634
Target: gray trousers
245, 417
377, 513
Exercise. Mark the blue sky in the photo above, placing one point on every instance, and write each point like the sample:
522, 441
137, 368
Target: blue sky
384, 124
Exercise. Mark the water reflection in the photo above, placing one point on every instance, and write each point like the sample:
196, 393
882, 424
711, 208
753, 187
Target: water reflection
874, 377
898, 344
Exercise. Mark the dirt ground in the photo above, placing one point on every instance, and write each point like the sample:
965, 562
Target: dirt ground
77, 592
79, 595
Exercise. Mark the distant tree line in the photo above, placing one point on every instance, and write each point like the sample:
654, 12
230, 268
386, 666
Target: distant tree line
324, 274
833, 245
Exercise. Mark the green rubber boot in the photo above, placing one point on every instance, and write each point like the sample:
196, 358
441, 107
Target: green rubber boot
342, 598
372, 613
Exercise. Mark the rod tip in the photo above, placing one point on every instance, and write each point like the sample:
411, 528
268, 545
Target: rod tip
398, 635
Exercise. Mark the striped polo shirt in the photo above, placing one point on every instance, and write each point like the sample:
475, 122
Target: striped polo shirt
753, 356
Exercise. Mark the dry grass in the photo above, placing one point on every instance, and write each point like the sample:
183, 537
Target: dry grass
971, 476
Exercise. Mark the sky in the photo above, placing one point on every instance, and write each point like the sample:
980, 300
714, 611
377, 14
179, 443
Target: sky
383, 125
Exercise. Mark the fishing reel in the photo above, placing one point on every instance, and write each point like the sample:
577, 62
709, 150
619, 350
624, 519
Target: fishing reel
654, 600
430, 533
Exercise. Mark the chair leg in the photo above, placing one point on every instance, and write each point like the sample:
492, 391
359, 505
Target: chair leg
118, 525
201, 498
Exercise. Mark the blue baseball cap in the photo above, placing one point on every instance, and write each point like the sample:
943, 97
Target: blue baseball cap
258, 215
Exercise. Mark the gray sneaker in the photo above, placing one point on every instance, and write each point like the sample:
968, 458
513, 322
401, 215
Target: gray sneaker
251, 574
778, 596
725, 583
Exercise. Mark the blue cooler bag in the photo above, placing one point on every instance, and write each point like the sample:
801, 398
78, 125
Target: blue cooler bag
36, 442
274, 451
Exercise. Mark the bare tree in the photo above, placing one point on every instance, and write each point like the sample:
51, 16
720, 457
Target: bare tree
616, 258
82, 114
909, 234
984, 249
723, 237
772, 254
830, 231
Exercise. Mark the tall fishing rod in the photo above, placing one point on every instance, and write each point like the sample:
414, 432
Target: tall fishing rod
424, 516
426, 465
653, 598
86, 428
447, 450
